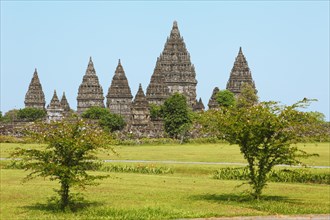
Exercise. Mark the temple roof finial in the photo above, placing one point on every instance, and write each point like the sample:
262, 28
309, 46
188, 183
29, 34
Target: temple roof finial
175, 24
119, 62
240, 50
175, 33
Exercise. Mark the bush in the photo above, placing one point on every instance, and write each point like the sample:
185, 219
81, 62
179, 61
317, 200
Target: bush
146, 169
31, 114
155, 111
95, 113
284, 175
108, 121
112, 122
10, 116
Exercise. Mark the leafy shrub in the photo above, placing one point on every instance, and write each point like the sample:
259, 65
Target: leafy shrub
146, 169
107, 120
95, 113
285, 175
155, 111
31, 114
226, 98
112, 122
10, 116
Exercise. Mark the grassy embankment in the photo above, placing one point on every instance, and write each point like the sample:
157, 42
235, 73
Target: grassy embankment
189, 192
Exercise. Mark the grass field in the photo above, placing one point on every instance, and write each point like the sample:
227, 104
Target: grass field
190, 152
189, 192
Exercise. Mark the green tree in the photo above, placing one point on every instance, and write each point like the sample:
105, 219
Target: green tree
112, 122
95, 112
106, 119
247, 97
31, 114
264, 133
10, 116
68, 155
176, 116
225, 98
155, 111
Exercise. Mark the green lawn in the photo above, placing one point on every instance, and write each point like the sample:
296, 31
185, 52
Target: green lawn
189, 192
138, 196
190, 152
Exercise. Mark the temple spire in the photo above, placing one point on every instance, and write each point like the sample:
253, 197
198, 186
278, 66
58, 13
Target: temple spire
175, 33
35, 97
90, 92
90, 68
213, 103
64, 103
173, 68
119, 97
239, 74
140, 110
54, 109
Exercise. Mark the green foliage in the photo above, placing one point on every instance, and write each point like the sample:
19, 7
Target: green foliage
225, 98
112, 122
10, 116
68, 154
155, 111
176, 116
146, 169
108, 121
283, 175
264, 133
248, 96
31, 114
95, 112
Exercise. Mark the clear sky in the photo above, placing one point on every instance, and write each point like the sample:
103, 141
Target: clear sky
286, 44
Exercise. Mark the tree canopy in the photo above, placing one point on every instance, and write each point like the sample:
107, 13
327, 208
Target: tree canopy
225, 98
264, 132
68, 155
107, 120
176, 116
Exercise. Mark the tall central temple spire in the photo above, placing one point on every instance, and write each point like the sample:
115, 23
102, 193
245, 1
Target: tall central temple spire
90, 92
173, 72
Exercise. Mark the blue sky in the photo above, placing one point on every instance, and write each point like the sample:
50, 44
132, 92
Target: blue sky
286, 45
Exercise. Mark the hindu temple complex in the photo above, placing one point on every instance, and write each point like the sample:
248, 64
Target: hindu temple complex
173, 73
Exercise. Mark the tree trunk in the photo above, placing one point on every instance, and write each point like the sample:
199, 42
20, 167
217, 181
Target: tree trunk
64, 193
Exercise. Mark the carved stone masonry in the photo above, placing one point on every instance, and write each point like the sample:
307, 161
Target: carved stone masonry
54, 109
174, 70
90, 92
199, 106
35, 97
213, 104
119, 96
240, 74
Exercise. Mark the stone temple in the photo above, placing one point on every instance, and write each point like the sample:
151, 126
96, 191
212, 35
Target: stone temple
35, 97
240, 73
173, 72
90, 92
119, 98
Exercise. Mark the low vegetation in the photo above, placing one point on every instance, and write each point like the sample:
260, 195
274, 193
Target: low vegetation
282, 175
